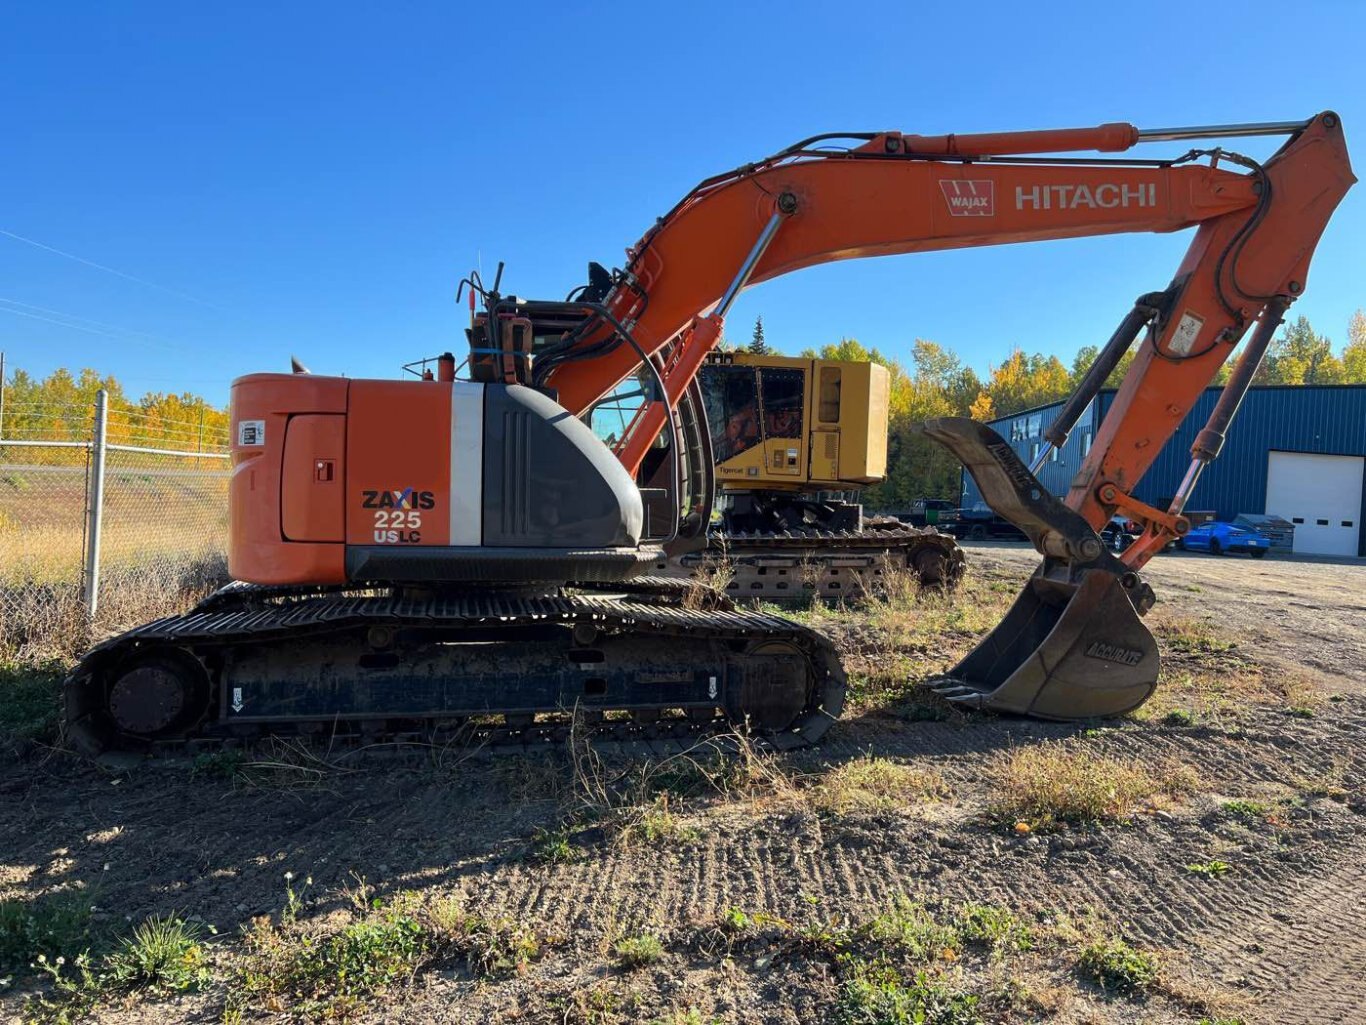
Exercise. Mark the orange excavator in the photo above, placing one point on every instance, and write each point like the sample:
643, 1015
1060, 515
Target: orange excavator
442, 558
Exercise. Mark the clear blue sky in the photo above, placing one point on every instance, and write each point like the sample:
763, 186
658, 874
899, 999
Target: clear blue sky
315, 178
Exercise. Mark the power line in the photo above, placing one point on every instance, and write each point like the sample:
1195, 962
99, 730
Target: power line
110, 270
62, 323
169, 345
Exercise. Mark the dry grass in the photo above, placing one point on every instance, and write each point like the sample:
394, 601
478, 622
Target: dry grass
161, 549
876, 784
1209, 679
1056, 784
41, 620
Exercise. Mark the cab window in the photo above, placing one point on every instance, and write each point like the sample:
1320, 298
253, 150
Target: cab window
732, 401
783, 391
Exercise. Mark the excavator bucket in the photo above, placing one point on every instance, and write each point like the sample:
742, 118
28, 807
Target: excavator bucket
1073, 645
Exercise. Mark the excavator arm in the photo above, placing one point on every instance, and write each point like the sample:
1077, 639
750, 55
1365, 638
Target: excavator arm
1073, 645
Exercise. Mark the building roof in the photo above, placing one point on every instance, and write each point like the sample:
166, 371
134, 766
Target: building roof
1213, 387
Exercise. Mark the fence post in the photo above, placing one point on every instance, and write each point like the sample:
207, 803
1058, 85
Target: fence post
95, 506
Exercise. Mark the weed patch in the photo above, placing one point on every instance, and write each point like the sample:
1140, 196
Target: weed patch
638, 951
879, 994
54, 926
30, 700
1114, 965
876, 784
555, 846
993, 927
1209, 869
654, 825
1250, 812
162, 956
909, 928
1054, 784
290, 967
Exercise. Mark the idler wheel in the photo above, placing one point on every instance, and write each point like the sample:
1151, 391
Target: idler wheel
159, 694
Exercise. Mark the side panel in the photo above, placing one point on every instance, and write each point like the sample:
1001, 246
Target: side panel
825, 387
864, 404
398, 450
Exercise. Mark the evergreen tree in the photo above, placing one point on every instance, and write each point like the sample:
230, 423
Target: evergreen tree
757, 345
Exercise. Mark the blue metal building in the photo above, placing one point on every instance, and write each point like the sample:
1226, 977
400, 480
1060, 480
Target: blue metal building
1294, 452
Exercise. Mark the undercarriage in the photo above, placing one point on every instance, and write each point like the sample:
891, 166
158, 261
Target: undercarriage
649, 662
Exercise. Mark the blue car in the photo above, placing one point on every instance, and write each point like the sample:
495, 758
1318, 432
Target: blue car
1218, 538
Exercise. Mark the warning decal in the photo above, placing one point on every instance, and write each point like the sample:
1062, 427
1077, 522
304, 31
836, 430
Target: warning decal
1183, 339
251, 433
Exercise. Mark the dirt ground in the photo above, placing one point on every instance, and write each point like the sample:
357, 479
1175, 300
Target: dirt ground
1280, 938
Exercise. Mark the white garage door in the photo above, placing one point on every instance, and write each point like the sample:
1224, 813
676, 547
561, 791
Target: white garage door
1321, 495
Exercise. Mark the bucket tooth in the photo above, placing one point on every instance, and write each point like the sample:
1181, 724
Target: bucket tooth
1072, 646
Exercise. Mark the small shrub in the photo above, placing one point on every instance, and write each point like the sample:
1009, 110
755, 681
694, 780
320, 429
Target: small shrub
497, 947
1209, 869
993, 927
225, 765
736, 921
554, 847
1113, 964
162, 956
638, 951
1247, 811
877, 994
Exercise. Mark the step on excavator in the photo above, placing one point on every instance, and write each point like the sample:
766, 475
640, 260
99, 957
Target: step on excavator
795, 439
464, 560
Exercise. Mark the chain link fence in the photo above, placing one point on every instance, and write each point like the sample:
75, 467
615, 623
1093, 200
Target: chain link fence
105, 522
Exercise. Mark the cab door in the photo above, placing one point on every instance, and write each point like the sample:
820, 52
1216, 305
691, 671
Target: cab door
782, 394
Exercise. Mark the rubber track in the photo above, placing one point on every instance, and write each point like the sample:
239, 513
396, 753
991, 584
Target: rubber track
248, 614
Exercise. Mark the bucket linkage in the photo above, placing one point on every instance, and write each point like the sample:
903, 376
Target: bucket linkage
1073, 645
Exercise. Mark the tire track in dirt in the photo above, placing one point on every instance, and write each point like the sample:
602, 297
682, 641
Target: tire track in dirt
1311, 931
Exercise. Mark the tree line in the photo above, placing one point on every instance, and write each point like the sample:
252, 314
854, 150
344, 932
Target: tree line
60, 407
935, 382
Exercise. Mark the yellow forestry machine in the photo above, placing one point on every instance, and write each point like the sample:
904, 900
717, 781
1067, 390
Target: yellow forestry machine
794, 440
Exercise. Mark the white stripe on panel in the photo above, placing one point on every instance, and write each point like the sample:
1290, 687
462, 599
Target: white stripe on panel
467, 463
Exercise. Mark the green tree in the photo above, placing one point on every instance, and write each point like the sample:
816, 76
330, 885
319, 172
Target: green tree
1300, 356
1354, 352
1023, 381
1087, 354
757, 345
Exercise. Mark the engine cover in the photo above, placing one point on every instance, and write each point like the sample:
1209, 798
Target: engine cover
338, 480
